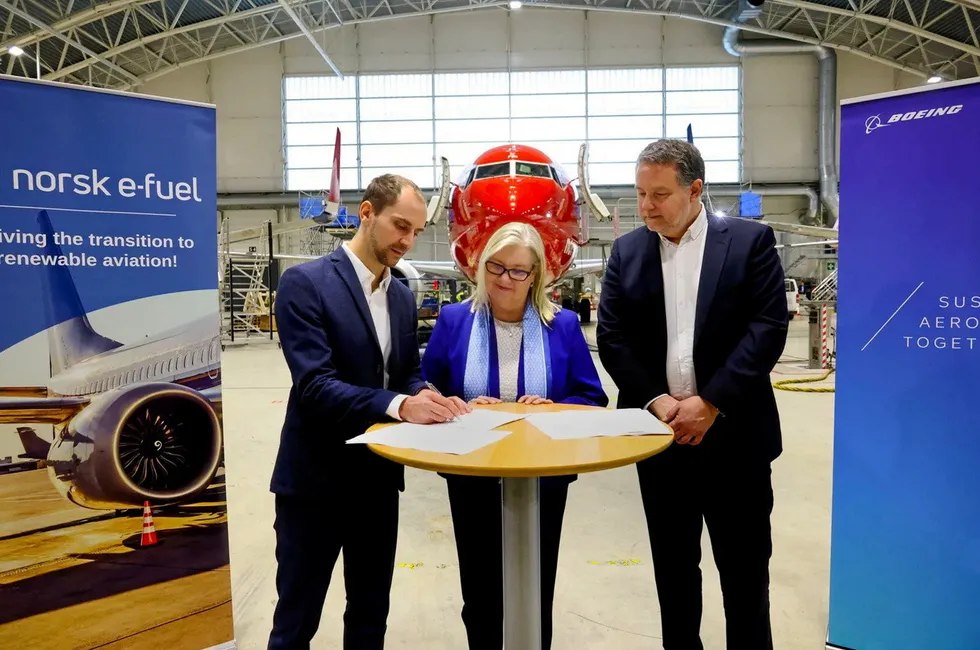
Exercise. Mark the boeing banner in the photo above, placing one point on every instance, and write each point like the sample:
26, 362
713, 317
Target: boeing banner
905, 541
113, 522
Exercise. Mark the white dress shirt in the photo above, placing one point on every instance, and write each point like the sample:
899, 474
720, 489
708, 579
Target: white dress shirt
681, 264
377, 301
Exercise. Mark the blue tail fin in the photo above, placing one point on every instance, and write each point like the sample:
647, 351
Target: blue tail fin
690, 134
70, 335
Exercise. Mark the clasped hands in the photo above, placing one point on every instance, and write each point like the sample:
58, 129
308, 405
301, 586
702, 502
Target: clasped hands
689, 418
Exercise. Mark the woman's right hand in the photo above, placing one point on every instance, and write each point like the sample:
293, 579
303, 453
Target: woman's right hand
483, 399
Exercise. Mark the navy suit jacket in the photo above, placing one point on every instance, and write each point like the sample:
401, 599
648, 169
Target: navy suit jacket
332, 351
740, 330
574, 378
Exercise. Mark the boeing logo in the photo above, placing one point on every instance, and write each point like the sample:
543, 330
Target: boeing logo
874, 122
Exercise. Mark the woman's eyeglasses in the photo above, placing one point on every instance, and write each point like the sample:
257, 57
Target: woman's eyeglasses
518, 275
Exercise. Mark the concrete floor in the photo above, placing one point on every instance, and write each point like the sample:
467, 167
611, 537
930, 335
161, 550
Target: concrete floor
606, 597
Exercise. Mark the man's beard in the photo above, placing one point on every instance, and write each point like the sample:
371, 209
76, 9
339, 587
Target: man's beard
381, 254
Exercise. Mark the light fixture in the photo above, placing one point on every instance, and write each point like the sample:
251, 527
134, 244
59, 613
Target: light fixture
515, 4
934, 79
15, 51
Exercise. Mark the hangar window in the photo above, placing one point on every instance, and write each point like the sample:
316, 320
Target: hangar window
421, 117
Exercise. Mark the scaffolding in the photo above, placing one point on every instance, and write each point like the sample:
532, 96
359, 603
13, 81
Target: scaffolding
822, 307
246, 290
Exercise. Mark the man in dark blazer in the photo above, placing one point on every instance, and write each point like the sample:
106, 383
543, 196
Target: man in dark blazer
691, 321
348, 333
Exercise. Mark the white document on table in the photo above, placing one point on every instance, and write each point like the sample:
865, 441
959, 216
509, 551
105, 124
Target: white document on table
468, 433
571, 425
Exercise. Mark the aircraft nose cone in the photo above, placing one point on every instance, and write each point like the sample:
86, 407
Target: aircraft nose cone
516, 197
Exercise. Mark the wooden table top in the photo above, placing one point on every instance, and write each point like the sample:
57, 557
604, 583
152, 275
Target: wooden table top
528, 452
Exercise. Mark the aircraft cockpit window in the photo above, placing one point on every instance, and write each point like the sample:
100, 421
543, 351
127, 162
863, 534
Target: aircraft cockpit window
492, 170
537, 170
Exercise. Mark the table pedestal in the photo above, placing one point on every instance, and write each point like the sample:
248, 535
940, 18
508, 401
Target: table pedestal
522, 564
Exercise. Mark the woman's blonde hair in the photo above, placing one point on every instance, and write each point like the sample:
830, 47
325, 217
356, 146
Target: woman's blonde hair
517, 234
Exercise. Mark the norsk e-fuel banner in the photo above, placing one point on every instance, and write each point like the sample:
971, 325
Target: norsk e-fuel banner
113, 522
905, 541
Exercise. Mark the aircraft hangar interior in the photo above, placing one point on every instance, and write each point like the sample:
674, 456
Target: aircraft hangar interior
131, 521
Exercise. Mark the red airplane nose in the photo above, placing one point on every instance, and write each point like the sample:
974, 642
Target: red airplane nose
486, 205
523, 197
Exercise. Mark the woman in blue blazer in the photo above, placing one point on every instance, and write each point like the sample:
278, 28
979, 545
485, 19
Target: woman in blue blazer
509, 343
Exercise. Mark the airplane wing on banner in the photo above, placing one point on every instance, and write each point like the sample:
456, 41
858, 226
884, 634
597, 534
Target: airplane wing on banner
39, 410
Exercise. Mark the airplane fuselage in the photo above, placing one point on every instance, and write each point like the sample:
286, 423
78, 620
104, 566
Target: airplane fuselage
514, 183
190, 357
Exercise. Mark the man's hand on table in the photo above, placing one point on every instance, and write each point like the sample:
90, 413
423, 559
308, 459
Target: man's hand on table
429, 407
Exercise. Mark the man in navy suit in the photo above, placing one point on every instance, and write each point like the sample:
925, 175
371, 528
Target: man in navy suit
691, 321
349, 337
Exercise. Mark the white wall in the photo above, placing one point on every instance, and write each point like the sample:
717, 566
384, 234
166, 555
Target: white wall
779, 92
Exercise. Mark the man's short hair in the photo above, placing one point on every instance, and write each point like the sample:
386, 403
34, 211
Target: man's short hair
385, 190
683, 156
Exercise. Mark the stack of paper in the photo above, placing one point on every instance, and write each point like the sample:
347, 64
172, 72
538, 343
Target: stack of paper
570, 425
468, 433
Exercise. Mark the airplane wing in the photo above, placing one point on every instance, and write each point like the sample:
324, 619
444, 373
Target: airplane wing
39, 410
438, 269
581, 268
824, 242
800, 229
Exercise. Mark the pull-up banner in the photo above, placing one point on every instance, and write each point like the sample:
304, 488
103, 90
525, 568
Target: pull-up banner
113, 522
905, 541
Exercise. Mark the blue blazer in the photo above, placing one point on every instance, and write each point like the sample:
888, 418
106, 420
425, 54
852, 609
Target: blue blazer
740, 330
574, 379
331, 348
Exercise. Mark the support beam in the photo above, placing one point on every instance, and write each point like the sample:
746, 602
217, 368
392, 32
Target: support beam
309, 36
61, 37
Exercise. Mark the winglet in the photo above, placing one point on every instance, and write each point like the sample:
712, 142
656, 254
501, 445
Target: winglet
438, 202
591, 199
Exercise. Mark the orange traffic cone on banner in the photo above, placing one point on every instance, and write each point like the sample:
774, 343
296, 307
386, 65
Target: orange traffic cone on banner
149, 537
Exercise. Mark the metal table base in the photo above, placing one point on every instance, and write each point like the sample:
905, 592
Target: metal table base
522, 563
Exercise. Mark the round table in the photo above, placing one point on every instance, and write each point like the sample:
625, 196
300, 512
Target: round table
520, 459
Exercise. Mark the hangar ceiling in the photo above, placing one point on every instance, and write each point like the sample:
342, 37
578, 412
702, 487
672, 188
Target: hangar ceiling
123, 43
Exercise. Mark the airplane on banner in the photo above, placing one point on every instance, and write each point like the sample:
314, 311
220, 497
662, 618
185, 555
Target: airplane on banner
133, 422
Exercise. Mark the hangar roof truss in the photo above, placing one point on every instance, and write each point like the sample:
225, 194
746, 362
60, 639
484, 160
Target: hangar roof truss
124, 43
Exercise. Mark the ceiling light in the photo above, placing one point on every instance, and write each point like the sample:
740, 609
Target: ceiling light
515, 4
15, 51
934, 79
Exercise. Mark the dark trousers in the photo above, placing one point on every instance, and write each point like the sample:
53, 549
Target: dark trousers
477, 523
309, 538
681, 487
